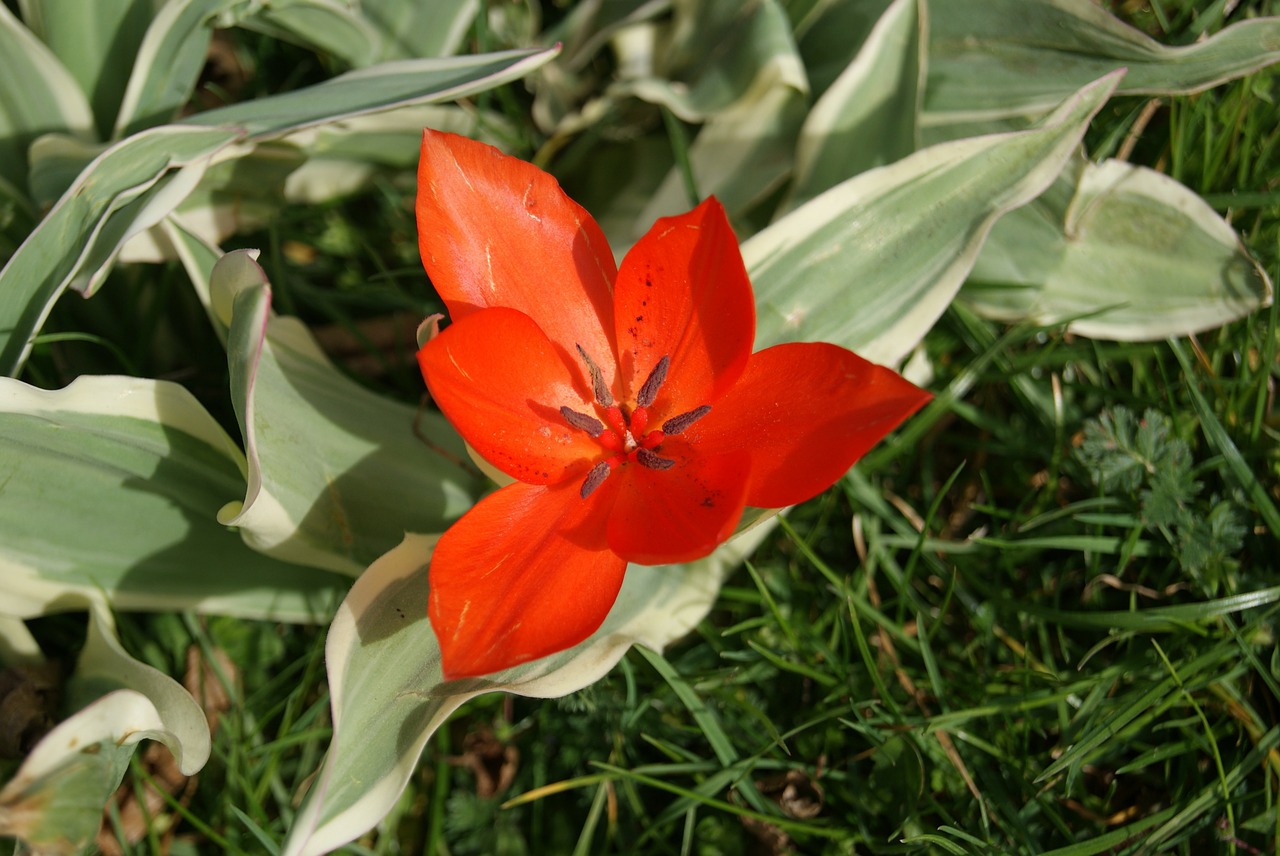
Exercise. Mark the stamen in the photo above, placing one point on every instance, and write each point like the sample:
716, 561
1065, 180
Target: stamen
653, 460
598, 386
583, 422
676, 424
649, 391
594, 479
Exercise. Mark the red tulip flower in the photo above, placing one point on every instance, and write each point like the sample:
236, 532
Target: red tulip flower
625, 402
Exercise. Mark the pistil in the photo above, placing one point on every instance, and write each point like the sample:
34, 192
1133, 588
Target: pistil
621, 433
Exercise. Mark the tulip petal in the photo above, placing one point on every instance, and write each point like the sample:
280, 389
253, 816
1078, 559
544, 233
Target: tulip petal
682, 292
678, 514
805, 412
496, 231
501, 383
524, 574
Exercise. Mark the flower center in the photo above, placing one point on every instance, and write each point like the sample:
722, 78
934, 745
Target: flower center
621, 434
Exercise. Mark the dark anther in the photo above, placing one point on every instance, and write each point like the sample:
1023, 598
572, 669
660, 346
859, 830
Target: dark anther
598, 386
676, 424
649, 391
583, 422
595, 478
653, 461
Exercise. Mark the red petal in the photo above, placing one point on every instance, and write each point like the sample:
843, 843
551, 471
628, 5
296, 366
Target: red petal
805, 413
496, 231
501, 383
524, 574
682, 291
679, 514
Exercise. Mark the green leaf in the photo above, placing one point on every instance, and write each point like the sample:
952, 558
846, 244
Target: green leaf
55, 800
48, 100
337, 474
125, 189
1121, 252
873, 262
82, 466
867, 118
389, 696
97, 42
1003, 58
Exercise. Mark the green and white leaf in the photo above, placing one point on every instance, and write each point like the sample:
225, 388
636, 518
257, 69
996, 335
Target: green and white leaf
742, 153
714, 55
750, 102
867, 117
168, 64
113, 486
1005, 58
123, 190
341, 156
370, 90
831, 34
49, 99
333, 27
389, 696
235, 194
873, 262
97, 43
55, 800
330, 139
56, 161
410, 30
310, 166
625, 27
337, 474
114, 198
1120, 251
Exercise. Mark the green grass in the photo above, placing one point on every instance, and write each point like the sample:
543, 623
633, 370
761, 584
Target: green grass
974, 644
